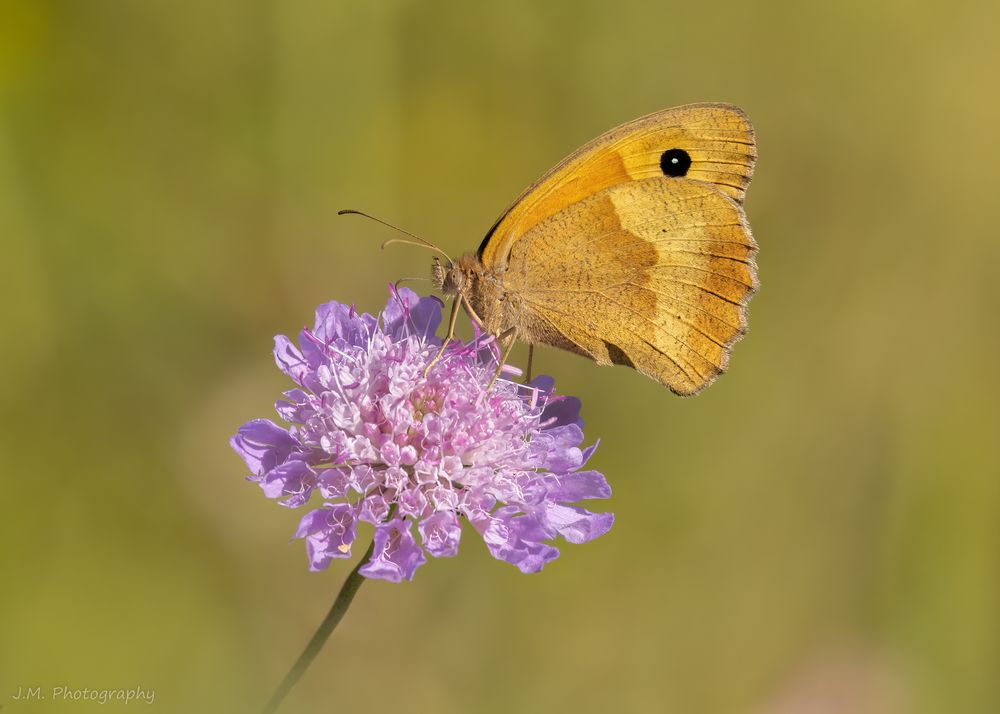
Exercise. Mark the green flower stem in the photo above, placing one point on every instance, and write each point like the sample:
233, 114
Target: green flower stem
323, 632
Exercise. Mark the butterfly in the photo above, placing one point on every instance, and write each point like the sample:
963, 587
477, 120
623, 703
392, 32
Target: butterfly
633, 250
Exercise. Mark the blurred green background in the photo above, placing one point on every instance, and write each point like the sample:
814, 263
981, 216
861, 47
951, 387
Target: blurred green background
817, 533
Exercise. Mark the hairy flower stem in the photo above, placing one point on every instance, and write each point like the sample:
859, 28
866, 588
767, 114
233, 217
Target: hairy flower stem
323, 632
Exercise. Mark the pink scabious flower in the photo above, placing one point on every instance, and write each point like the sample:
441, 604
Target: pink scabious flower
412, 454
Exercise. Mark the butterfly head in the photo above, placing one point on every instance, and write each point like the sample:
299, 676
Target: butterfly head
455, 277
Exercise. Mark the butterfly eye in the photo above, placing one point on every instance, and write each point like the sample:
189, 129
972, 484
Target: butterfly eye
675, 162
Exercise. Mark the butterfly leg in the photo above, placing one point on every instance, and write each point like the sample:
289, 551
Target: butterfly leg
472, 313
511, 337
527, 372
451, 335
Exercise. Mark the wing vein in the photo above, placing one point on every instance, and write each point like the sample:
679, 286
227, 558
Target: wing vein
677, 364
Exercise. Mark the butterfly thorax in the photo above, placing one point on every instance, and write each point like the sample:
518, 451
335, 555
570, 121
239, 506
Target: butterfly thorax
478, 288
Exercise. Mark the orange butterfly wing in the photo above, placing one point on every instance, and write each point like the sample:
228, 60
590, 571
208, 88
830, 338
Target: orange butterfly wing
719, 139
611, 256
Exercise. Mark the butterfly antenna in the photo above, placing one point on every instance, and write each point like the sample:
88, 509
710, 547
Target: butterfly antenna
420, 242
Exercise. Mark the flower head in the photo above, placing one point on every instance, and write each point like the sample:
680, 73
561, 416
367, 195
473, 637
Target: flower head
412, 454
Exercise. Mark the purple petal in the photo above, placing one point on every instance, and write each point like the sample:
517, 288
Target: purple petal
263, 445
296, 408
425, 318
374, 508
333, 483
558, 448
578, 486
396, 554
290, 360
440, 534
397, 309
314, 354
364, 478
313, 522
544, 384
293, 479
560, 410
529, 526
504, 540
412, 502
444, 498
329, 533
576, 524
335, 321
408, 314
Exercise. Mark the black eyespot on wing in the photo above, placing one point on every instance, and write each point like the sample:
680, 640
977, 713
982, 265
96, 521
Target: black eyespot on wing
675, 162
